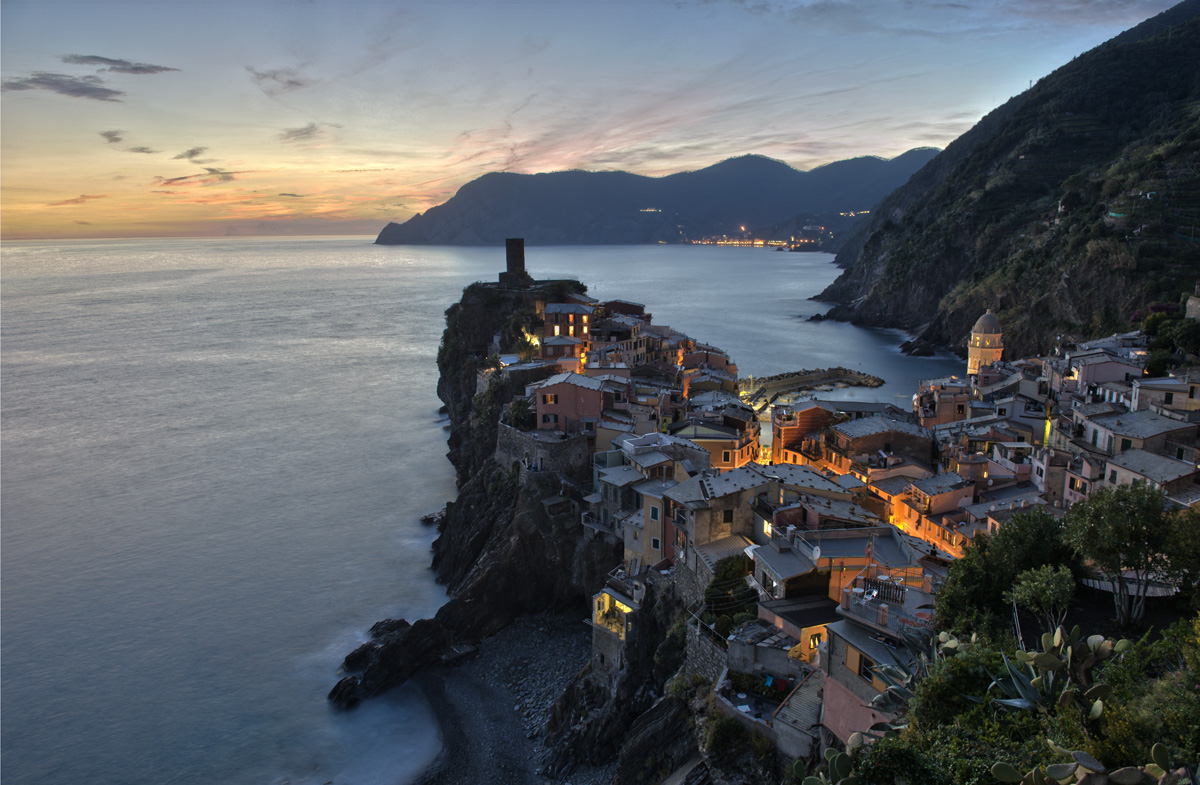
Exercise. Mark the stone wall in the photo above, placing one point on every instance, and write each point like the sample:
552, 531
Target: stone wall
704, 657
608, 658
790, 742
689, 584
569, 456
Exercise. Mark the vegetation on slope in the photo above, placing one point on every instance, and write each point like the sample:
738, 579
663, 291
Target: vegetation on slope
1067, 211
976, 701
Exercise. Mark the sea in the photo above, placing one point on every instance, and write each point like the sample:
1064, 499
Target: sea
214, 457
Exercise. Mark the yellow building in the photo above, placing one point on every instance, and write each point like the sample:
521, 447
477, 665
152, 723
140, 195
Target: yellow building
987, 343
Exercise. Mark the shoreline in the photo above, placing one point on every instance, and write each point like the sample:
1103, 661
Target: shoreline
492, 709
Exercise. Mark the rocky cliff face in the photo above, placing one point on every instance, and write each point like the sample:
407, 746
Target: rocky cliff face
499, 552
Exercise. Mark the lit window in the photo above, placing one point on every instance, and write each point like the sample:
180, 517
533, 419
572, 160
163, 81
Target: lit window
550, 399
556, 329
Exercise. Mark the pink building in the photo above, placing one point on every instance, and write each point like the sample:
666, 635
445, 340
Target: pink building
574, 403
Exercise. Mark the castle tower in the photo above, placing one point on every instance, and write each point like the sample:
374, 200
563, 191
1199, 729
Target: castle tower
987, 343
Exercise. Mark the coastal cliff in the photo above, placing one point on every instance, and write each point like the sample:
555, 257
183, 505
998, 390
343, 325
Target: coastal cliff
501, 551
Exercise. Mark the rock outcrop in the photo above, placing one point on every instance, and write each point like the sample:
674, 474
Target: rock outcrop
499, 551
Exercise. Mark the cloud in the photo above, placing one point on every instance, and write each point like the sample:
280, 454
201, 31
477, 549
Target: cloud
309, 133
210, 176
279, 80
145, 150
190, 154
116, 66
73, 86
113, 137
84, 223
77, 200
297, 196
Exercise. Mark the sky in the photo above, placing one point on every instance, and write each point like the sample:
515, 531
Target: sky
181, 118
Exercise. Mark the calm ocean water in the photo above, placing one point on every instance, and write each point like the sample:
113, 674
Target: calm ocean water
214, 456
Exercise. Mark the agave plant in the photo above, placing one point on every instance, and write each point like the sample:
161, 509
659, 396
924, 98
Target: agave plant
1059, 675
900, 682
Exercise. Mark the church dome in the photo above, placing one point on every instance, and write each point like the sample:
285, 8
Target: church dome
988, 324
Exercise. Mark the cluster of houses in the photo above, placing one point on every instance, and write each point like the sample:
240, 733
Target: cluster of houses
849, 519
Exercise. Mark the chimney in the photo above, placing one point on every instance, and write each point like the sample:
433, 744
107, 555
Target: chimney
515, 246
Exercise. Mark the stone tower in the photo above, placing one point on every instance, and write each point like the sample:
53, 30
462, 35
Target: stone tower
987, 343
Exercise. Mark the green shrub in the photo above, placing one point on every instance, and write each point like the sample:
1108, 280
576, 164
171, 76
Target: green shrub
722, 734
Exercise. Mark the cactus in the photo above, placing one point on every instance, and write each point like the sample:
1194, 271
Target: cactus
839, 765
1085, 769
1059, 675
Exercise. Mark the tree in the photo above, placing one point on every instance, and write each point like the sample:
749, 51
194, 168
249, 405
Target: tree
973, 597
1046, 591
1182, 563
520, 415
1123, 532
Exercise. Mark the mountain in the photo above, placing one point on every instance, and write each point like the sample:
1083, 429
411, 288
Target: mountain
1068, 210
588, 208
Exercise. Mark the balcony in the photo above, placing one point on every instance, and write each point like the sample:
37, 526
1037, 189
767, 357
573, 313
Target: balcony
889, 606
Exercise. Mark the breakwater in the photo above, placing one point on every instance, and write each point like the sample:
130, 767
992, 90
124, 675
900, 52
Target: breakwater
761, 390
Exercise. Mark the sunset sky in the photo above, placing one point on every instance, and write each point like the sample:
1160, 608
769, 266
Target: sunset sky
176, 117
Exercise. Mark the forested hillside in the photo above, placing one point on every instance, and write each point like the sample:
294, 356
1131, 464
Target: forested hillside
1071, 210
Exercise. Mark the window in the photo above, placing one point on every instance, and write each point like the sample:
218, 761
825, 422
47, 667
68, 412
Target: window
1179, 453
557, 329
728, 516
1112, 476
655, 545
1002, 411
654, 515
549, 400
725, 456
550, 418
1169, 399
1125, 444
865, 664
814, 640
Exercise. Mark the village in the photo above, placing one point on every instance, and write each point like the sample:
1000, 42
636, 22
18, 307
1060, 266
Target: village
807, 555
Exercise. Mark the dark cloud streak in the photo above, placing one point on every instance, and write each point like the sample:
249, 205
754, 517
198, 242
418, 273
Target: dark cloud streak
72, 86
116, 66
279, 80
113, 137
189, 154
77, 200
